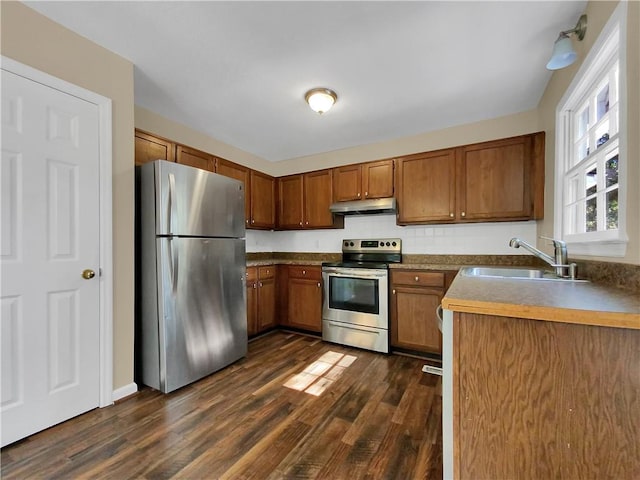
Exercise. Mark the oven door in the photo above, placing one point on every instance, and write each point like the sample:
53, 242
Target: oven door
356, 295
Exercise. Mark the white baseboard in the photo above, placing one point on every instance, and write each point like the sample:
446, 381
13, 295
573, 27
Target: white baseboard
125, 391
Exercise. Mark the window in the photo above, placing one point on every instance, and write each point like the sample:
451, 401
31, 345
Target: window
590, 150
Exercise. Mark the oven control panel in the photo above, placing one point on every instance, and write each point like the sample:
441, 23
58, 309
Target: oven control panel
381, 245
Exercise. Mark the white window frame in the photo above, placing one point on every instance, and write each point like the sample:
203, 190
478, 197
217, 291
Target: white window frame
608, 243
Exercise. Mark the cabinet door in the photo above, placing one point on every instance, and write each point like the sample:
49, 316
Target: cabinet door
317, 199
263, 207
426, 187
414, 324
233, 170
150, 148
266, 303
494, 180
290, 202
194, 158
252, 307
377, 179
305, 304
347, 183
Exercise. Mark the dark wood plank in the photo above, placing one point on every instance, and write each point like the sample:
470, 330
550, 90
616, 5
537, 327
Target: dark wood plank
379, 417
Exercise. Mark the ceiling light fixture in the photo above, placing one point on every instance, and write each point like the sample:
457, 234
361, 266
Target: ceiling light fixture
563, 53
320, 99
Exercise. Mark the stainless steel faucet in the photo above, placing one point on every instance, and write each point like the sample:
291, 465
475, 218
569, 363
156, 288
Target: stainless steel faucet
562, 268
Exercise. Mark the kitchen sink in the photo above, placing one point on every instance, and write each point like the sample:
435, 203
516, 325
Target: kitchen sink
514, 273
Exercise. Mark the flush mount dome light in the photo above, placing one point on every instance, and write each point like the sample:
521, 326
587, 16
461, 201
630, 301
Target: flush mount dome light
320, 99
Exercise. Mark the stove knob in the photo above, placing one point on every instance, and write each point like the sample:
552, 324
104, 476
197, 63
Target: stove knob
388, 244
346, 244
351, 244
382, 244
394, 243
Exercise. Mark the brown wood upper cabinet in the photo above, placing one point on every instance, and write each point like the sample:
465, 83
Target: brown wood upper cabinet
362, 181
304, 200
238, 172
500, 180
195, 158
263, 205
150, 148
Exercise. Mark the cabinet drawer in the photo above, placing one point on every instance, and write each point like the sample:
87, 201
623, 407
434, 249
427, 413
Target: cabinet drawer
268, 271
417, 277
252, 274
305, 271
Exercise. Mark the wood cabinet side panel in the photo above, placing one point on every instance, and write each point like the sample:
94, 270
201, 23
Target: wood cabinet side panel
544, 399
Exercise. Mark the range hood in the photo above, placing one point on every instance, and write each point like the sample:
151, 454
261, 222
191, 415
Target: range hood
365, 207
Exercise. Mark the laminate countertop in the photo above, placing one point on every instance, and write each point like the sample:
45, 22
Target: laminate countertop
583, 303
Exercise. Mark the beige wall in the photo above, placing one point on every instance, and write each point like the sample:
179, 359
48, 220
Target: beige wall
511, 125
598, 13
34, 40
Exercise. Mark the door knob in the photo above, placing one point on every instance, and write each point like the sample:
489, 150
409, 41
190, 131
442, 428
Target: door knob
88, 274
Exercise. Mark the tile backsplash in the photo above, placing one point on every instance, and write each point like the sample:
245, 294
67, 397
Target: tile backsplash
457, 239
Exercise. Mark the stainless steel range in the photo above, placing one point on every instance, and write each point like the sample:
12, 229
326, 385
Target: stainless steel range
355, 310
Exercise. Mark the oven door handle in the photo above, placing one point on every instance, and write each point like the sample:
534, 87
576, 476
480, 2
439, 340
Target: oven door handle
353, 327
356, 274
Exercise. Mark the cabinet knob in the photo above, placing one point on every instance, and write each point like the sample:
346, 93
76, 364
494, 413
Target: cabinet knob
246, 221
451, 215
366, 194
304, 272
358, 194
254, 285
260, 284
318, 284
462, 214
300, 223
306, 223
417, 279
393, 291
253, 221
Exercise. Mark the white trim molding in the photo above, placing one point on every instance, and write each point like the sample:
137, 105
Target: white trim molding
106, 211
125, 391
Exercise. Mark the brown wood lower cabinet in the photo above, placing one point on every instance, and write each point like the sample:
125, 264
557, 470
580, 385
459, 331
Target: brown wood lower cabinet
261, 299
415, 295
304, 298
540, 399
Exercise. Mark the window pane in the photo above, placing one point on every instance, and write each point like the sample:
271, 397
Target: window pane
591, 181
591, 219
583, 122
612, 209
602, 102
602, 134
582, 150
611, 171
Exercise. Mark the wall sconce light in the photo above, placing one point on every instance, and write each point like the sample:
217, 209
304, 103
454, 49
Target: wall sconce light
563, 53
320, 99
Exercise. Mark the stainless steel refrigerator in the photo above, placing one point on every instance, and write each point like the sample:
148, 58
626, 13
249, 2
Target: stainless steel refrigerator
193, 314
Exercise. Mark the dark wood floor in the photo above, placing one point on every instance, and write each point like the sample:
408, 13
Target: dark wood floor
377, 418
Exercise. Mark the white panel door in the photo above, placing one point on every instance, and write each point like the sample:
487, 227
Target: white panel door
49, 234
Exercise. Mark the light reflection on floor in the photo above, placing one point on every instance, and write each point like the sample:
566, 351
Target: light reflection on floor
320, 374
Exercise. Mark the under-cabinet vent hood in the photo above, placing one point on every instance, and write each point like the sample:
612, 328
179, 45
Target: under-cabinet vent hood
365, 207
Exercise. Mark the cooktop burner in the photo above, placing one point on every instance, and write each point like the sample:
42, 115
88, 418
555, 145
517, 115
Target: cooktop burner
377, 265
369, 253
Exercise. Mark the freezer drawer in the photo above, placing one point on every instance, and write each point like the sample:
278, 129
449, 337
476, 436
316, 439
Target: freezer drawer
370, 338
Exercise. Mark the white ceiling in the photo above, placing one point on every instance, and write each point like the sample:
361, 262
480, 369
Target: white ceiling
238, 71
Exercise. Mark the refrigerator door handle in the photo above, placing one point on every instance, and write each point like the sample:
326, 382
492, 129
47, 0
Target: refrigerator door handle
171, 204
173, 265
